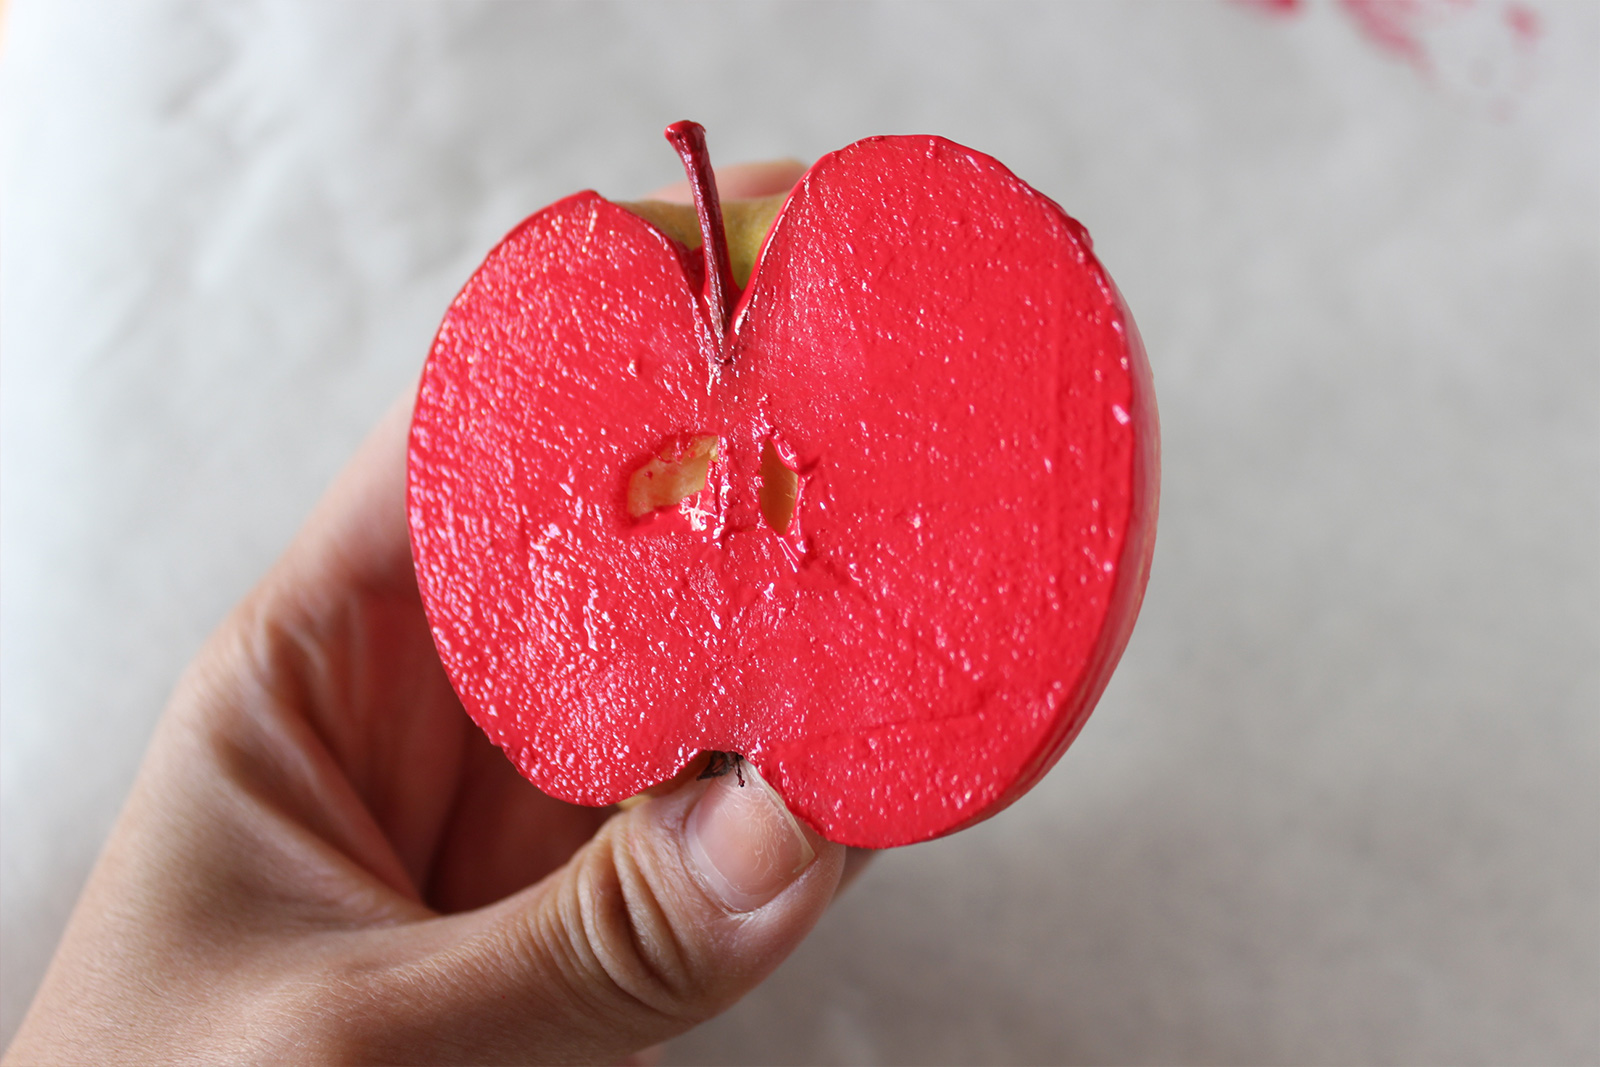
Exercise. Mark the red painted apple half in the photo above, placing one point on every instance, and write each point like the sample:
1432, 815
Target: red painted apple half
881, 523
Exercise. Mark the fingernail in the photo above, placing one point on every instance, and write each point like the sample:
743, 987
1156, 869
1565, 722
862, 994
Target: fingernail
746, 844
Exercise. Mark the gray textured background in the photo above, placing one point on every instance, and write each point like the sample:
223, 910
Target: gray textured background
1341, 802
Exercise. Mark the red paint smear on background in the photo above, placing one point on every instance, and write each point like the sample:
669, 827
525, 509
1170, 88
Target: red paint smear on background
1275, 7
1524, 22
1400, 26
1392, 25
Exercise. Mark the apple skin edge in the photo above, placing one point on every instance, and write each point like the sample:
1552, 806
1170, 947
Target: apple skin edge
969, 412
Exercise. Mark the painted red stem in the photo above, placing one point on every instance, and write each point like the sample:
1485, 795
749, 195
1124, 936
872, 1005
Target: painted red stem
721, 292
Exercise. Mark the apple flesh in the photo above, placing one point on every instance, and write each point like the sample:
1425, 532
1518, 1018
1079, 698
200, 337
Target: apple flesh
876, 514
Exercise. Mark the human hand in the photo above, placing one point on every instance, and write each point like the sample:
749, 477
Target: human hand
323, 859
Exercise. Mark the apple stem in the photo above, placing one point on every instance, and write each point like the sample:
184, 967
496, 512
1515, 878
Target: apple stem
721, 291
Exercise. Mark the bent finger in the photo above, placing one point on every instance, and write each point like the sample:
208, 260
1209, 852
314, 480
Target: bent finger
676, 909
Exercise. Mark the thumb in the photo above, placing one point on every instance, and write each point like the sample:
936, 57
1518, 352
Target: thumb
667, 916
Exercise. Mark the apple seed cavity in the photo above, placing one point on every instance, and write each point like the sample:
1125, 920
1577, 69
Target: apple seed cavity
674, 475
780, 489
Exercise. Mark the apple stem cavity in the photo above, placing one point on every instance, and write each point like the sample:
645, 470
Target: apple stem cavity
721, 291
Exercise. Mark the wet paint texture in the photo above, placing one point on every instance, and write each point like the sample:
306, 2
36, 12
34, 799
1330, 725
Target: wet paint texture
933, 349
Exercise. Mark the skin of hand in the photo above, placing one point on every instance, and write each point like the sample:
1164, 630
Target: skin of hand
324, 860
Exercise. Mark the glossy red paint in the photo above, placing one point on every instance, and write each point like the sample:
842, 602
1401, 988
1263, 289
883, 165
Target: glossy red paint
932, 347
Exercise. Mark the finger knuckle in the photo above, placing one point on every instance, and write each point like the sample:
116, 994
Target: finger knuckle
628, 941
